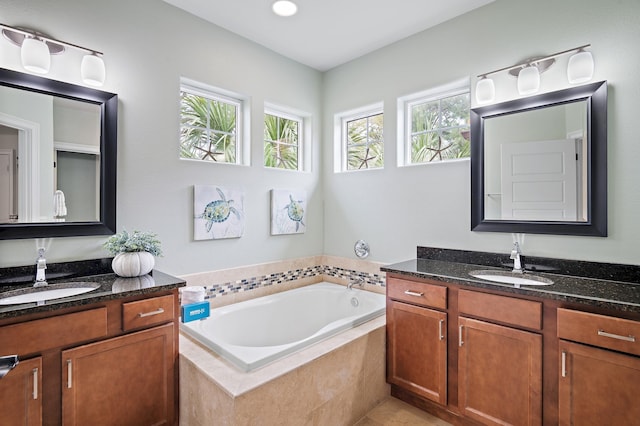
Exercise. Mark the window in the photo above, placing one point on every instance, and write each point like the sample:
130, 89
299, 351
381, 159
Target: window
436, 125
210, 124
283, 134
361, 135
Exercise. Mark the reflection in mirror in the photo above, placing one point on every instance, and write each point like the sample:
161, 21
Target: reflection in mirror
539, 163
51, 148
535, 167
57, 158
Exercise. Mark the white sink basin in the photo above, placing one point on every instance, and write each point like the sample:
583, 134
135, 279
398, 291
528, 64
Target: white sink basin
510, 277
50, 292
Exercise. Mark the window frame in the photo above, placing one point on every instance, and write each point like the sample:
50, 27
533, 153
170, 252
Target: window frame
341, 144
301, 119
405, 105
242, 128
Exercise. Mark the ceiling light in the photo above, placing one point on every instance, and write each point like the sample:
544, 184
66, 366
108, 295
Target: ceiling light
284, 8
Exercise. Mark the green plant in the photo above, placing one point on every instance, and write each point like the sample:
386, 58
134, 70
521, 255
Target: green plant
125, 242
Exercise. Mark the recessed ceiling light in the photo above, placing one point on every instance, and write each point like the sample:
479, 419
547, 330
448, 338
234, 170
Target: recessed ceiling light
284, 8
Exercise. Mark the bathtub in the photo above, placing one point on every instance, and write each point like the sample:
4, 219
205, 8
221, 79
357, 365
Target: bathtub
256, 332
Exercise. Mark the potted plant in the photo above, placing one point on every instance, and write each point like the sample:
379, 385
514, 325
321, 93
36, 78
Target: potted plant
134, 252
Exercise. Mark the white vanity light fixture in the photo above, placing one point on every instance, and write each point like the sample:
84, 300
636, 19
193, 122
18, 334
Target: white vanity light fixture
579, 70
485, 90
92, 70
284, 8
36, 50
580, 67
35, 55
528, 80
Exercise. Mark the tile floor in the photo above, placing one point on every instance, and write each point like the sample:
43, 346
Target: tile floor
393, 412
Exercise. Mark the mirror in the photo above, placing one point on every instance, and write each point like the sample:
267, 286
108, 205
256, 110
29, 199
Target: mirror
539, 164
57, 158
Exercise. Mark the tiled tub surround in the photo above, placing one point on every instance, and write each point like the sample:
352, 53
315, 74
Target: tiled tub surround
228, 286
335, 381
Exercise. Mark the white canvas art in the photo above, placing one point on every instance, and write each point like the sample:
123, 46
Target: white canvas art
218, 212
288, 211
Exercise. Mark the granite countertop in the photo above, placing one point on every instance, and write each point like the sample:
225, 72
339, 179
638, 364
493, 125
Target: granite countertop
111, 287
601, 293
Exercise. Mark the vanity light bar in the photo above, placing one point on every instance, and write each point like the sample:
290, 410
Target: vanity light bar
37, 48
579, 70
534, 61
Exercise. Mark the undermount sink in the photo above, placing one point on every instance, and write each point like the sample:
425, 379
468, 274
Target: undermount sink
510, 277
49, 292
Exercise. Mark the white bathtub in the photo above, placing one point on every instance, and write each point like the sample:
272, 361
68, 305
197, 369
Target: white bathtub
253, 333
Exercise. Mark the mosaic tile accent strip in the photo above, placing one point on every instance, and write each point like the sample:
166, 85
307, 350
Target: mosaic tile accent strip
246, 284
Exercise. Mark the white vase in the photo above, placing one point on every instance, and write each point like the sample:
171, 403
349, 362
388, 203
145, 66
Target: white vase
133, 264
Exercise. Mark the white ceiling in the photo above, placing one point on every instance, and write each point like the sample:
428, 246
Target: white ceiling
327, 33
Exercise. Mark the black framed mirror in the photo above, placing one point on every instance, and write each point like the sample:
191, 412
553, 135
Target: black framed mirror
539, 164
56, 136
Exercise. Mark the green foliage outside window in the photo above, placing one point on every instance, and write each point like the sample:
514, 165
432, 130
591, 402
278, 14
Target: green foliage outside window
207, 129
281, 142
440, 129
365, 143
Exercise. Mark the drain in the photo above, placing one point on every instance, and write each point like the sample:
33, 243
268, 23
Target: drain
354, 302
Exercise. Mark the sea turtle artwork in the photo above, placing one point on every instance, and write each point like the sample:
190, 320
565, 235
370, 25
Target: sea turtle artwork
218, 211
288, 212
295, 211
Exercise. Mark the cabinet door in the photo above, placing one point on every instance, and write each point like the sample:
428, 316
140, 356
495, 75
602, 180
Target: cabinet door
417, 350
20, 394
499, 373
598, 386
127, 380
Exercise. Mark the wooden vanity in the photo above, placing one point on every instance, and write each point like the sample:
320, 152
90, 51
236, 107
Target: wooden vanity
483, 355
107, 359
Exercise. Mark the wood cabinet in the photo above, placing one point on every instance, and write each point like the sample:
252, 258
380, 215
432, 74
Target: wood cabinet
102, 364
417, 350
120, 381
499, 374
598, 385
21, 394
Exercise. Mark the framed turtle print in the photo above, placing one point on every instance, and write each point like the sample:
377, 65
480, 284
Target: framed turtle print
218, 212
288, 211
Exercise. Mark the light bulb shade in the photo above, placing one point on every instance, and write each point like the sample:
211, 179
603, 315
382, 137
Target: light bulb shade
92, 70
528, 80
580, 68
284, 8
485, 90
35, 56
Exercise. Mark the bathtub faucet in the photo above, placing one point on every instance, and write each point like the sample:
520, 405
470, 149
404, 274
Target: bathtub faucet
357, 281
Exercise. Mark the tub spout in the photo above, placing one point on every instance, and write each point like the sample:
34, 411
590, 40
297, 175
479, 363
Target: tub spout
357, 281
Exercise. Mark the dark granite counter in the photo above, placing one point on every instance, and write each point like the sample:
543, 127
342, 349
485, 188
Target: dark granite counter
110, 287
602, 293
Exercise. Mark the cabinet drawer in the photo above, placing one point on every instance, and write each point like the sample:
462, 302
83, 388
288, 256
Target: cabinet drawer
54, 332
599, 330
508, 310
143, 313
417, 293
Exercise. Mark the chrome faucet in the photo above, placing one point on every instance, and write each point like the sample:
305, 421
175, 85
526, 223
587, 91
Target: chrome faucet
357, 281
515, 256
41, 265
